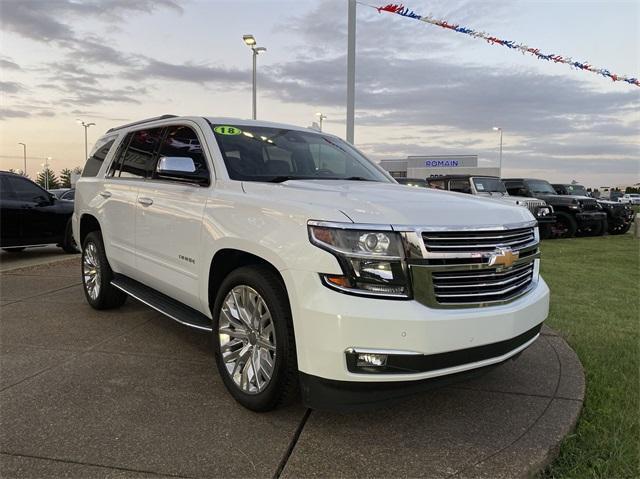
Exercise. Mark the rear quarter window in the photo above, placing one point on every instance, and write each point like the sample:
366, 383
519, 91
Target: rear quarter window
98, 155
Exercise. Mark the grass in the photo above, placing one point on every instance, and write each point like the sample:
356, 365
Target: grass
595, 301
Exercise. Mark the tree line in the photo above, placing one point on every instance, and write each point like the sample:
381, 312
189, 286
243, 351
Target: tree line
47, 178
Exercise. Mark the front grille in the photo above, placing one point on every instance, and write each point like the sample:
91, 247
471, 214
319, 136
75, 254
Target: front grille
455, 270
589, 205
477, 241
480, 286
533, 205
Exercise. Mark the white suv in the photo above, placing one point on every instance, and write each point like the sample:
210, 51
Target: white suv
313, 269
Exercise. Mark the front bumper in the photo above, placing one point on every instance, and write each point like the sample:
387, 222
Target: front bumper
546, 220
327, 324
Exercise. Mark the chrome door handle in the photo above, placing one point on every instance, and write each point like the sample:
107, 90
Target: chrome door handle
105, 194
145, 201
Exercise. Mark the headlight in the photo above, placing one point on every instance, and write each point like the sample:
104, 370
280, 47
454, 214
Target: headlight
544, 211
372, 261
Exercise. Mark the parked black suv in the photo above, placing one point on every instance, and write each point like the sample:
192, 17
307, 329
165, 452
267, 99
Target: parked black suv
30, 216
573, 214
619, 215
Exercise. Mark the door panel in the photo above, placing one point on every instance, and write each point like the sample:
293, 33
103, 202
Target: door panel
118, 213
168, 238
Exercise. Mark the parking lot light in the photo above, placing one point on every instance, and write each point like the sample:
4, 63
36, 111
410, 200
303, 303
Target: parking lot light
497, 128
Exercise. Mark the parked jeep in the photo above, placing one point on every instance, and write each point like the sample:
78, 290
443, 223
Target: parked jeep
573, 214
491, 187
619, 216
311, 268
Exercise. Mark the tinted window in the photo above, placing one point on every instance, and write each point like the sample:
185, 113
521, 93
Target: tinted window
182, 141
97, 156
140, 154
26, 190
461, 186
489, 185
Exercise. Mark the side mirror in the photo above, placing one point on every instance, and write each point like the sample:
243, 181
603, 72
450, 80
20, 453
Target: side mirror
181, 168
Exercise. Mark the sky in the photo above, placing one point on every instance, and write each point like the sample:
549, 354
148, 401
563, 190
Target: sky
420, 89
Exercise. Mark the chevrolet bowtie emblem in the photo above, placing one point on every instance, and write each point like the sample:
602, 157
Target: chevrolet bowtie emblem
504, 257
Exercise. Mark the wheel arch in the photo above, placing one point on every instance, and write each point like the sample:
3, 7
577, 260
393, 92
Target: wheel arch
225, 261
88, 223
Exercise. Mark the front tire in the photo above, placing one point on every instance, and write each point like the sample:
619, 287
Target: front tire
253, 339
565, 225
97, 275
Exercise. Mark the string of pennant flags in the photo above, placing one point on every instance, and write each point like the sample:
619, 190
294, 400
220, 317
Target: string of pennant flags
403, 11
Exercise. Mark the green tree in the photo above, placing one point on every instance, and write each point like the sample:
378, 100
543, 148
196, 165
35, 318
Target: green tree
48, 179
65, 178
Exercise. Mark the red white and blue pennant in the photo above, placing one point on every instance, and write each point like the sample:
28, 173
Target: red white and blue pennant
403, 11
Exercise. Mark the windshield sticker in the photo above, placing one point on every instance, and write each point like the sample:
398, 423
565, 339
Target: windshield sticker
227, 130
480, 186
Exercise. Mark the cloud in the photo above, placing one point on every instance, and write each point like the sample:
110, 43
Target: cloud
11, 87
187, 72
34, 20
416, 92
6, 64
7, 113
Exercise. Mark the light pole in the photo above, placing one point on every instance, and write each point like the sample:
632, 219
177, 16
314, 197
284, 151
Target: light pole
86, 146
351, 69
321, 117
497, 128
250, 41
46, 172
24, 154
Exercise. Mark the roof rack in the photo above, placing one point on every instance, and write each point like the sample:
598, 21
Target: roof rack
161, 117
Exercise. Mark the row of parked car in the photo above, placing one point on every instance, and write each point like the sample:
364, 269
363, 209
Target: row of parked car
562, 210
32, 216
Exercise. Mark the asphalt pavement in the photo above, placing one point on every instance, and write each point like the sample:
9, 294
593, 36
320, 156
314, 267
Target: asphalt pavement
129, 393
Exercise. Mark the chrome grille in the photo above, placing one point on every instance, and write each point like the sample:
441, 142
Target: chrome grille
455, 270
533, 205
477, 241
488, 285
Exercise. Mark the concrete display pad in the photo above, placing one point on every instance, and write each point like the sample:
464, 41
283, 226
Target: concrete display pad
129, 393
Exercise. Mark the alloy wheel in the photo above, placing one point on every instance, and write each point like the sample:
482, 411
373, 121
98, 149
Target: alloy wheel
91, 271
247, 339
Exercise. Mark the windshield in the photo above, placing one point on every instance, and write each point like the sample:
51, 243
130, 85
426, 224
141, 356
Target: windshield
488, 185
255, 153
577, 190
539, 186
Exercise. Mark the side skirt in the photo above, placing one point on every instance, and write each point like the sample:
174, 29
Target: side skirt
162, 303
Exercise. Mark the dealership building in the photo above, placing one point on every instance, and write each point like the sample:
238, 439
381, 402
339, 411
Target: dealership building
427, 166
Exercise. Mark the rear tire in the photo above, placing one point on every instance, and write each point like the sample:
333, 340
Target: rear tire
97, 275
253, 331
565, 225
619, 229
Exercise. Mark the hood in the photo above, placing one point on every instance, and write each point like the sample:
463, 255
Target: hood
389, 203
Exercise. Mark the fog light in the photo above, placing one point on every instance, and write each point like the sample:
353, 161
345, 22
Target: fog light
370, 359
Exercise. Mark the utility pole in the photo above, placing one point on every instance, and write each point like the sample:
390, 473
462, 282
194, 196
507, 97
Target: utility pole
351, 69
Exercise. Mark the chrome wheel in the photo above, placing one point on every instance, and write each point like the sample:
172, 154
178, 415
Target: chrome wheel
91, 271
247, 339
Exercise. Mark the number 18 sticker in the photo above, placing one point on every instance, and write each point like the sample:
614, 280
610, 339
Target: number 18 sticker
227, 130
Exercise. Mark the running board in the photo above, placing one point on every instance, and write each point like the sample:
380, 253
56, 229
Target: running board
162, 303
